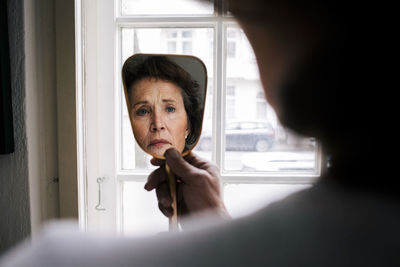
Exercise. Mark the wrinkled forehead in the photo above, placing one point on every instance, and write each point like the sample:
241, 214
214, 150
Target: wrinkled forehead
154, 88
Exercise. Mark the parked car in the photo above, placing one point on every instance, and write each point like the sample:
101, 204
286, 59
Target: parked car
303, 161
244, 136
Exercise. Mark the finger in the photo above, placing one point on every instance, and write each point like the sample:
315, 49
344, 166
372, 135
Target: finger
181, 203
179, 193
163, 195
194, 160
179, 166
157, 162
168, 212
201, 163
155, 178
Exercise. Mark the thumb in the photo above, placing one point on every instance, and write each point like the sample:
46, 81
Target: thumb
179, 166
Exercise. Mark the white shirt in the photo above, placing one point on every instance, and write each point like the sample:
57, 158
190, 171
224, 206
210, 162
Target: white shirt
326, 225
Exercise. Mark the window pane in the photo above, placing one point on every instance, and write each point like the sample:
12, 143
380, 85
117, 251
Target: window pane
254, 138
161, 41
171, 33
231, 33
242, 199
141, 215
166, 7
231, 49
204, 146
186, 47
172, 47
186, 33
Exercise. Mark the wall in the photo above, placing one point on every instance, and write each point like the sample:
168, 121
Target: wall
14, 189
29, 193
41, 110
66, 107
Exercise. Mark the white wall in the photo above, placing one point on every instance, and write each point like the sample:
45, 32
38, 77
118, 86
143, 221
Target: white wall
41, 115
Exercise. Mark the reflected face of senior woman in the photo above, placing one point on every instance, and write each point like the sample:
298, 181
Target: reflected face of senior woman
159, 118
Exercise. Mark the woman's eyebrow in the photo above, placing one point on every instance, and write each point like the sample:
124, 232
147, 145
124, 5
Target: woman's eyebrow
146, 102
168, 100
140, 102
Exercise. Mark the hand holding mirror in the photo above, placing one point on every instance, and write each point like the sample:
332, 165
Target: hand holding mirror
165, 97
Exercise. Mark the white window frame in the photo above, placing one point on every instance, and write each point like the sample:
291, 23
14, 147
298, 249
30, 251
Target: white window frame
90, 79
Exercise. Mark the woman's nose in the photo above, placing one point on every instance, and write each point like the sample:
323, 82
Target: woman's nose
157, 123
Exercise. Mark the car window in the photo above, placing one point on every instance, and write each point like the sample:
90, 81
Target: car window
264, 125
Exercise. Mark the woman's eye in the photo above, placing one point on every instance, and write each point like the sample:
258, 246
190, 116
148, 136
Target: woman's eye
142, 112
171, 109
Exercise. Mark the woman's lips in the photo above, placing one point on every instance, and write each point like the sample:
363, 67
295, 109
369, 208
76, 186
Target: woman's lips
159, 142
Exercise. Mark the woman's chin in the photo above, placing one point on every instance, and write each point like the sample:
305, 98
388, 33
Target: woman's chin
159, 150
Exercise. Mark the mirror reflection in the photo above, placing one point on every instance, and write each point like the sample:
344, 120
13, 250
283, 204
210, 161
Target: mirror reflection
165, 96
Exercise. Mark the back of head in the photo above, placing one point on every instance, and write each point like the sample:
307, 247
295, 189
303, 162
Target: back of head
339, 91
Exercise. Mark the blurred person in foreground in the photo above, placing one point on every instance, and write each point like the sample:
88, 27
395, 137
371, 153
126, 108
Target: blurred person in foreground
323, 65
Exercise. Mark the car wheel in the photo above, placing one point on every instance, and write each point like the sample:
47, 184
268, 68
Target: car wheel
205, 145
262, 145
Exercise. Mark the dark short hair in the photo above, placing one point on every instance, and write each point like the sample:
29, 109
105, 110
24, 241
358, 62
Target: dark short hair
162, 68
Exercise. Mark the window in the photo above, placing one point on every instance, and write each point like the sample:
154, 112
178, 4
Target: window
262, 106
178, 41
171, 40
230, 102
231, 43
241, 133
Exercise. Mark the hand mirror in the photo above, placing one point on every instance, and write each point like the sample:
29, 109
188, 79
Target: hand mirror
165, 97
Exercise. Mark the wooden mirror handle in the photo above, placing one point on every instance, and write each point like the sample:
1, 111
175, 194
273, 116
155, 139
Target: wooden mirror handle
173, 221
